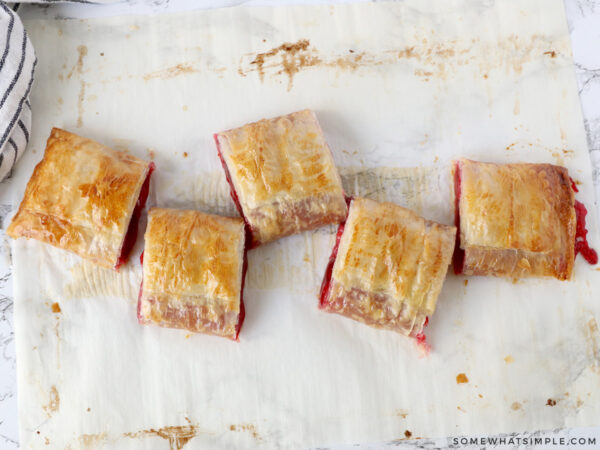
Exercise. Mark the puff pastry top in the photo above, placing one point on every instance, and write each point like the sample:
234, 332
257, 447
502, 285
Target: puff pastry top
386, 249
81, 197
275, 166
194, 258
524, 207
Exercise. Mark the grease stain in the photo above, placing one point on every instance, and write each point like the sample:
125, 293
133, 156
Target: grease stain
170, 72
53, 402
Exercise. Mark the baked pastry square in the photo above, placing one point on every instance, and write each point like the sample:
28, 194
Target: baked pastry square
387, 267
85, 198
282, 176
514, 220
194, 269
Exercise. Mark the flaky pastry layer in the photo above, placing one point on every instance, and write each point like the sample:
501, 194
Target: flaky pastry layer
390, 266
516, 220
81, 197
193, 271
283, 175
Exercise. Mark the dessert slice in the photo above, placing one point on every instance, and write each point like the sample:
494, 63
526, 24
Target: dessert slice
515, 220
194, 266
85, 198
387, 267
282, 176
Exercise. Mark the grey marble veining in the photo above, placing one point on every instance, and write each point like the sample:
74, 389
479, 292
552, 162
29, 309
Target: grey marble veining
584, 26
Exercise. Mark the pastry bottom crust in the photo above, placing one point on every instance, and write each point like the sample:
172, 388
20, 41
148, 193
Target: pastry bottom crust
515, 262
190, 316
277, 220
363, 306
371, 309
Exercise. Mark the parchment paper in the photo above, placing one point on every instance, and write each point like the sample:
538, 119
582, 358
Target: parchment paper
400, 90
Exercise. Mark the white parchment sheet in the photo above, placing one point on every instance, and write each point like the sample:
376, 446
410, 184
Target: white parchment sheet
398, 85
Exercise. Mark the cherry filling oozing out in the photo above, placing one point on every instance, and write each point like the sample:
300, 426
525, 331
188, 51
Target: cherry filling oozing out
139, 305
132, 230
458, 258
581, 243
421, 339
251, 243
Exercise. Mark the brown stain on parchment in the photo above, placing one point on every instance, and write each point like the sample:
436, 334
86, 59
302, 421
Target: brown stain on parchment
91, 441
550, 402
53, 402
508, 359
557, 153
515, 406
592, 340
57, 334
461, 378
56, 308
178, 436
428, 59
401, 413
290, 57
171, 72
80, 100
82, 52
88, 280
78, 69
249, 428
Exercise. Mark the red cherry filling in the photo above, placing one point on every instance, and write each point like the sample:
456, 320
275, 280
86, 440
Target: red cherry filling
458, 258
132, 230
326, 284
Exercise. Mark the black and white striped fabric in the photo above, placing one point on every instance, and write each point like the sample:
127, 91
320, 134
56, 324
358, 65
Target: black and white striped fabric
17, 66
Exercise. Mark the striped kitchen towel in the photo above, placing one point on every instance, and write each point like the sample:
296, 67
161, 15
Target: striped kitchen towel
17, 66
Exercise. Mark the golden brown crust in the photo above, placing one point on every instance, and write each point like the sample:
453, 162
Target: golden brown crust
390, 266
80, 198
517, 220
284, 175
193, 271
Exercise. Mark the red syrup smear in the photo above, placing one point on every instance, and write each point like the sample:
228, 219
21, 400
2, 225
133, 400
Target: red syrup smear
326, 284
458, 258
573, 185
139, 304
242, 314
132, 230
581, 244
251, 242
422, 339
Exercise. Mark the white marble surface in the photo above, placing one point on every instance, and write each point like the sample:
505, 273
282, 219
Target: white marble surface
584, 26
